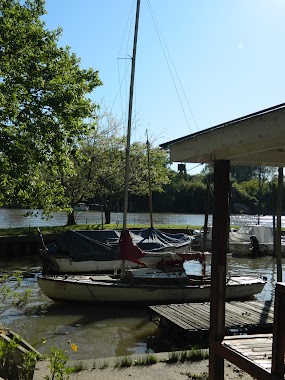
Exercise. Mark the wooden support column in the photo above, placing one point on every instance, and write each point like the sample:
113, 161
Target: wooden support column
278, 229
219, 266
278, 346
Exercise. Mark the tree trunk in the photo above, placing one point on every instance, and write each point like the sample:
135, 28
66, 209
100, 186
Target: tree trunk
71, 218
107, 215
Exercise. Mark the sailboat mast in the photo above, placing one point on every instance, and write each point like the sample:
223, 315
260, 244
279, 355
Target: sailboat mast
130, 118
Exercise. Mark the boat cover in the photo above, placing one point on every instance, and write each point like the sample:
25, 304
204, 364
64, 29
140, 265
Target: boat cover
99, 245
153, 240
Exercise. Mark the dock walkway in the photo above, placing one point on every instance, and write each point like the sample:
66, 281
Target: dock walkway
252, 349
191, 321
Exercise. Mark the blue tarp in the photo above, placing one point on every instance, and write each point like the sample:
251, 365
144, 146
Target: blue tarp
104, 244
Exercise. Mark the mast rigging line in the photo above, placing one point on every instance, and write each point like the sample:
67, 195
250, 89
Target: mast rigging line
164, 48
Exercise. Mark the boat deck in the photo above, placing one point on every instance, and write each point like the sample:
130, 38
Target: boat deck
191, 321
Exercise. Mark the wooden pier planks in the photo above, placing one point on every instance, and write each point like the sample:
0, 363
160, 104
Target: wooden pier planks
256, 348
196, 316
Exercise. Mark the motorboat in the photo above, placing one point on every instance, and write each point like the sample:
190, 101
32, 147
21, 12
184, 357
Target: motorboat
241, 240
81, 207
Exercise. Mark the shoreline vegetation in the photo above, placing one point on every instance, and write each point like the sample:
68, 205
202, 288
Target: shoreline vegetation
25, 231
60, 229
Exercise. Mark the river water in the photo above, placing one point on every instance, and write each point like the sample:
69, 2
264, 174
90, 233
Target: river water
17, 218
102, 331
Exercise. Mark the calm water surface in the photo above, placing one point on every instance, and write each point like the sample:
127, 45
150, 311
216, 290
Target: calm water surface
100, 331
13, 218
103, 331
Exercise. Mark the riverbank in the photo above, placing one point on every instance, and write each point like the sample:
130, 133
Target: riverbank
33, 231
108, 369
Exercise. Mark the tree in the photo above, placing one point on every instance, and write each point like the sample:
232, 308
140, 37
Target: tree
43, 106
244, 173
100, 172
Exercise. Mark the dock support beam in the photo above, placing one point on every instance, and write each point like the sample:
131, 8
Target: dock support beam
219, 266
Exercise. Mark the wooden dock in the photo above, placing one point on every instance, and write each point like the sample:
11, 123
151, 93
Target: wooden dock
256, 348
190, 322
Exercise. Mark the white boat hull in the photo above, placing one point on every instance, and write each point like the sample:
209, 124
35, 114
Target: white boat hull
239, 241
92, 289
67, 266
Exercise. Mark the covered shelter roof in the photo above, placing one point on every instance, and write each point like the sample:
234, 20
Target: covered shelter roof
255, 139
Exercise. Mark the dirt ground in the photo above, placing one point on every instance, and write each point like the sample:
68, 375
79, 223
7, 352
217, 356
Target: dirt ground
108, 369
161, 371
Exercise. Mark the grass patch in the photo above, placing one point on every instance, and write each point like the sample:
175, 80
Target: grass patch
77, 367
149, 359
173, 357
197, 355
104, 365
202, 376
124, 362
192, 355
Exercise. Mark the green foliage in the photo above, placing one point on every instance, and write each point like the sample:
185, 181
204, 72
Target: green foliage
126, 361
29, 363
57, 366
187, 355
21, 365
104, 365
16, 364
198, 376
149, 359
184, 193
244, 173
10, 294
100, 172
7, 367
173, 357
43, 105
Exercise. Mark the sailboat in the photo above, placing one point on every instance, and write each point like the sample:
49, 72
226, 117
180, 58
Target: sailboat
98, 251
146, 285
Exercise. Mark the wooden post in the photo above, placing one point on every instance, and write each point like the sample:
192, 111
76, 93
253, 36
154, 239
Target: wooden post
278, 346
207, 201
274, 218
278, 229
218, 266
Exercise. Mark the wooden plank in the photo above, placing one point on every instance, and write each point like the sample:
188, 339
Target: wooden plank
265, 313
260, 369
255, 348
196, 316
192, 320
252, 353
244, 315
199, 314
192, 316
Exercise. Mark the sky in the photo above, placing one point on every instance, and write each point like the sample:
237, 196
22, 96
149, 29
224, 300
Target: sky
199, 63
